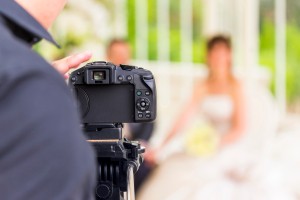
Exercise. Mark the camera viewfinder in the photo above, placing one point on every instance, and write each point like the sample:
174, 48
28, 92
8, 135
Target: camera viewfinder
99, 75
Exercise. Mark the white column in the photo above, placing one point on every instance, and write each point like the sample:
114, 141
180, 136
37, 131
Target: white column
141, 29
163, 26
251, 33
120, 19
186, 47
218, 16
245, 34
210, 22
238, 35
280, 21
186, 25
240, 20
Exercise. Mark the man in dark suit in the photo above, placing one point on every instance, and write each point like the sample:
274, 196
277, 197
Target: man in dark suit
43, 153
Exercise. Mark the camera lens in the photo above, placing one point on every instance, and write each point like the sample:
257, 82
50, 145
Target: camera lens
99, 76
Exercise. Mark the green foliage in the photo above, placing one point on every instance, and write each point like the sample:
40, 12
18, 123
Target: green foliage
199, 51
152, 43
267, 49
293, 62
198, 42
131, 24
175, 45
267, 56
152, 23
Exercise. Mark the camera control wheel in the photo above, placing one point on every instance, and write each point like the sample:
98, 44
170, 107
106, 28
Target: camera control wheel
142, 104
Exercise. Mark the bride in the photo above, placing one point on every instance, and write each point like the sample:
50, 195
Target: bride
218, 100
226, 168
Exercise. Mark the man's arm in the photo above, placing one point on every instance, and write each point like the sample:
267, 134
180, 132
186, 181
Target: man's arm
44, 154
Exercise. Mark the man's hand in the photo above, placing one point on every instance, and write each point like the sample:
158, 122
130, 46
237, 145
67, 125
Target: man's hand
73, 61
150, 156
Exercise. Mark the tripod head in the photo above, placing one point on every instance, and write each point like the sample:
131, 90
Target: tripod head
107, 94
117, 158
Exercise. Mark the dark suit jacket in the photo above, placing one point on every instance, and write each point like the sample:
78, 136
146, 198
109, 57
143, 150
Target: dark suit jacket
43, 153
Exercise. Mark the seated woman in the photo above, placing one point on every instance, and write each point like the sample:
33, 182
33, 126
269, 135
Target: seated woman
252, 168
218, 99
215, 114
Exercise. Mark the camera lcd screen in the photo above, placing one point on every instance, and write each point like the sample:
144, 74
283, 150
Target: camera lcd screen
106, 103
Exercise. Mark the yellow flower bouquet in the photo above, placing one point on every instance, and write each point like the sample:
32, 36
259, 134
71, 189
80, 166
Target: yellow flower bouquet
201, 140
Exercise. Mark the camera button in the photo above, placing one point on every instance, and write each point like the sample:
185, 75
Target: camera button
127, 67
129, 78
120, 78
148, 77
147, 93
148, 115
143, 104
139, 93
140, 115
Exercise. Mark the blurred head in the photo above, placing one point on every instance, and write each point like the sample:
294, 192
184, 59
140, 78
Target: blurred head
44, 11
118, 52
219, 56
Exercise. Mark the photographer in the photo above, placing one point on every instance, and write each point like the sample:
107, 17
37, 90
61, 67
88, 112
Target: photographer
44, 154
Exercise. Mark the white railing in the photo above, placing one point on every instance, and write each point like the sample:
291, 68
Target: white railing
163, 34
280, 20
141, 28
239, 18
175, 85
186, 25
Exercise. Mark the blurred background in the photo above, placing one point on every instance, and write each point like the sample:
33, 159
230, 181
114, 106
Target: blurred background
169, 38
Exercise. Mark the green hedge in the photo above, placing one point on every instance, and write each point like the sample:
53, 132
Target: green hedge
267, 56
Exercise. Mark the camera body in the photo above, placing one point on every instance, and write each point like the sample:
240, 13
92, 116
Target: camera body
114, 94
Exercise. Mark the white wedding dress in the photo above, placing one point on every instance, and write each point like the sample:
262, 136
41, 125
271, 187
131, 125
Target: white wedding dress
255, 168
207, 123
217, 109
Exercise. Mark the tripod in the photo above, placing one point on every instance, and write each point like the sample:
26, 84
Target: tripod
118, 159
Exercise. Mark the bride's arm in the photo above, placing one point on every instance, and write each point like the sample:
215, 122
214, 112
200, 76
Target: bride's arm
186, 113
180, 122
238, 118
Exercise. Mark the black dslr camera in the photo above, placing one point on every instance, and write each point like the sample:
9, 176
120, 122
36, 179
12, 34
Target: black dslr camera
108, 96
111, 94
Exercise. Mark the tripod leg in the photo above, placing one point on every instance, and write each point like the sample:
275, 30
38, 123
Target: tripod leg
130, 194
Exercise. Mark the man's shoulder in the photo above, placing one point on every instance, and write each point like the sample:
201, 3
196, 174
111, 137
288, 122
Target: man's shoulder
18, 60
13, 50
39, 129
